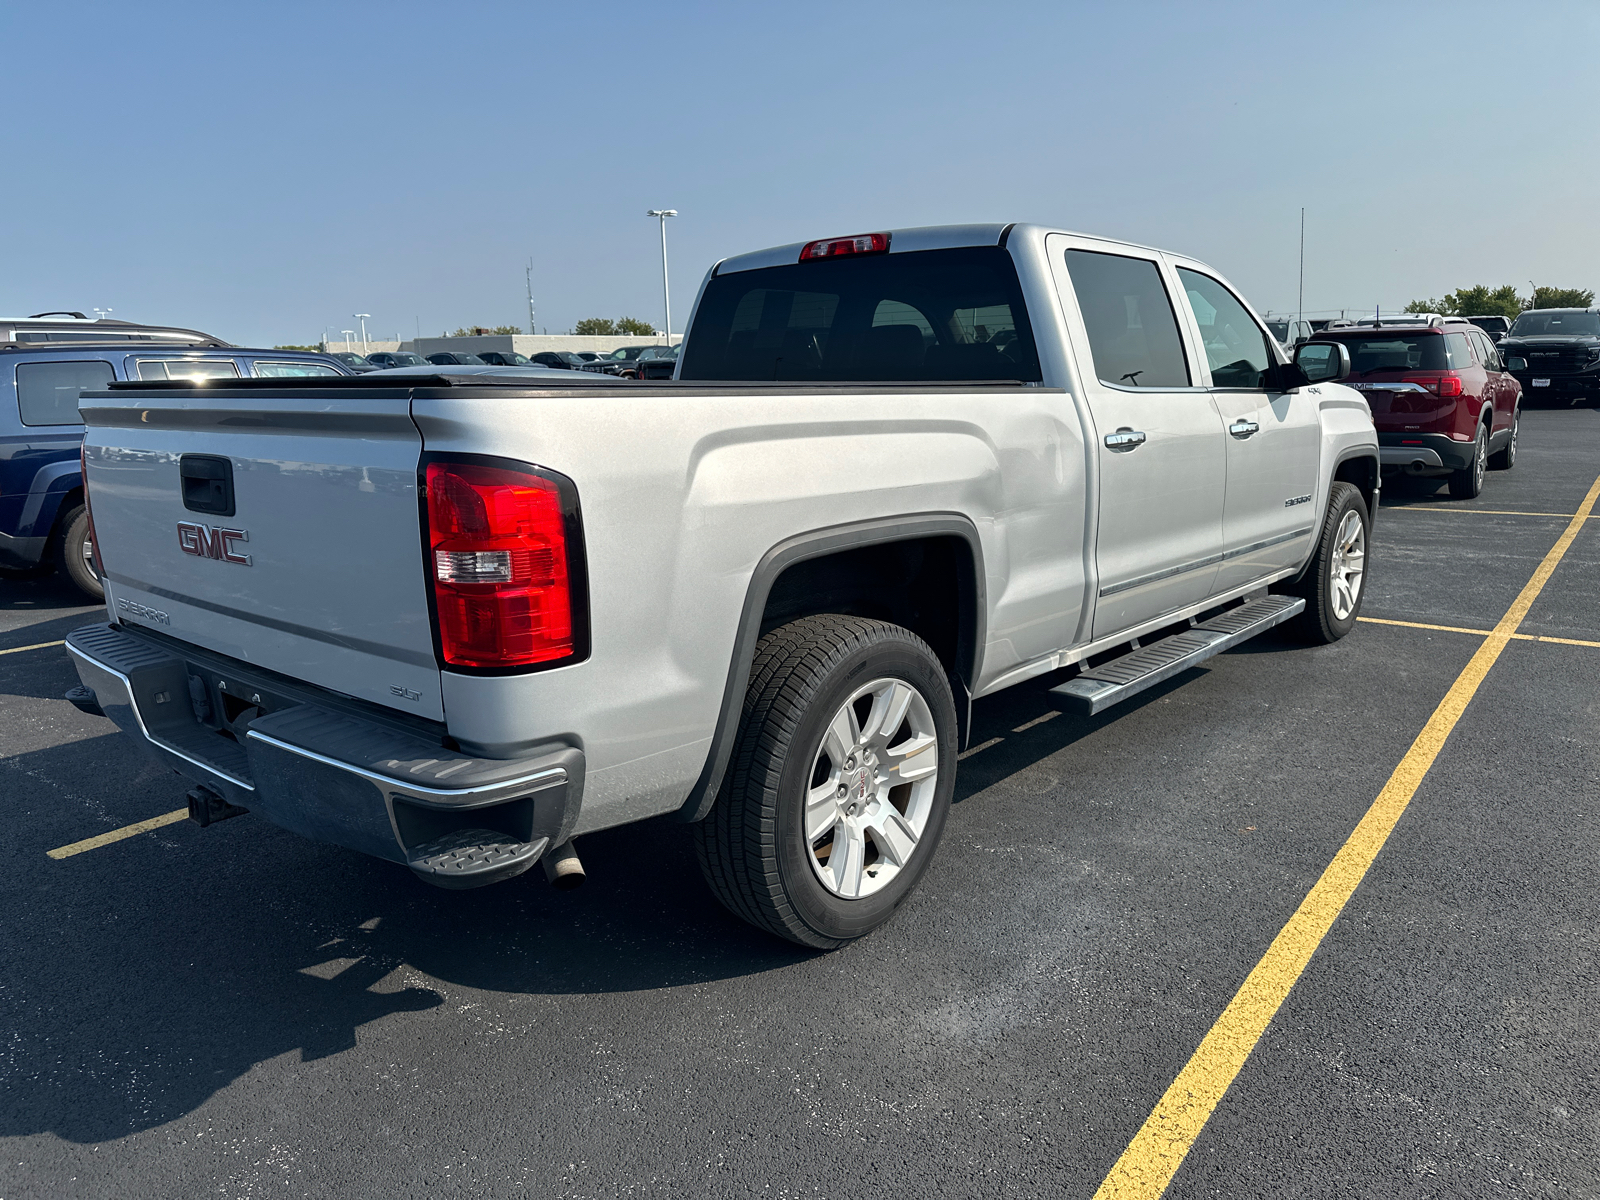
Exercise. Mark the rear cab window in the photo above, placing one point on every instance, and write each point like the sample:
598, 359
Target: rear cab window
47, 392
927, 315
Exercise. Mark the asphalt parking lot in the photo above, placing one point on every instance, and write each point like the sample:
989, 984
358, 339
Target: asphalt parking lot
235, 1011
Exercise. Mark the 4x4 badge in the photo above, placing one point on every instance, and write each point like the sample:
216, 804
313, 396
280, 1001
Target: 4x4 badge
204, 541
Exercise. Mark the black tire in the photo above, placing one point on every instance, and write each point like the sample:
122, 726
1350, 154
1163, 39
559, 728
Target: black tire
1321, 622
1506, 457
752, 846
1466, 483
73, 553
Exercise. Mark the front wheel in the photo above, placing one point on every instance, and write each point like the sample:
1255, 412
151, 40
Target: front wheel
1335, 582
75, 554
840, 782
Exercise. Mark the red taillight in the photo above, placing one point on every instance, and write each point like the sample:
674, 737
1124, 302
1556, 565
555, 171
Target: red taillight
1444, 384
501, 565
866, 243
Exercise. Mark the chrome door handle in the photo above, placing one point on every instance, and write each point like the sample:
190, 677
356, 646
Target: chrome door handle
1244, 429
1124, 439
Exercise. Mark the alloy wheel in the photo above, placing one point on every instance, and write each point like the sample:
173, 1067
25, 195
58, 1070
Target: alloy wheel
1349, 566
871, 789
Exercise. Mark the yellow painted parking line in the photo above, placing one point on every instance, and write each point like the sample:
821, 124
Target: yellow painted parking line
1420, 625
1164, 1140
116, 835
1516, 637
35, 646
1488, 512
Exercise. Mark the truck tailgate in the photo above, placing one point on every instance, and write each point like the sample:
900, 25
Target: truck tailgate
317, 572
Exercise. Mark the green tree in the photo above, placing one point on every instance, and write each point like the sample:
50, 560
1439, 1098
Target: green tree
1482, 301
1549, 297
635, 326
595, 326
513, 329
1429, 306
316, 348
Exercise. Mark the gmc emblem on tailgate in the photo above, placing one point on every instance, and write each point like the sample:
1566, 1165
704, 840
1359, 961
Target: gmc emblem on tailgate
203, 541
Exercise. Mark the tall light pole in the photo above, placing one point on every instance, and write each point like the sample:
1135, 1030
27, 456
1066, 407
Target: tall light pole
348, 334
666, 290
528, 276
1300, 312
1533, 295
362, 317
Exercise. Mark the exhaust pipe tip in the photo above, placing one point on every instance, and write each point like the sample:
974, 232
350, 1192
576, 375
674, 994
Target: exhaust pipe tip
562, 867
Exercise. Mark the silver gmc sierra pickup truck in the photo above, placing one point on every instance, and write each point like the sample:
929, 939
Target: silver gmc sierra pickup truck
456, 619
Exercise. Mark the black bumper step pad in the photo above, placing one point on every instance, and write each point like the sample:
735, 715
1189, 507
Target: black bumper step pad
469, 858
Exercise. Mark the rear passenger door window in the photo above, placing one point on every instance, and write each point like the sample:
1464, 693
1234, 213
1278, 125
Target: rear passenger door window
1128, 317
187, 368
47, 392
1236, 347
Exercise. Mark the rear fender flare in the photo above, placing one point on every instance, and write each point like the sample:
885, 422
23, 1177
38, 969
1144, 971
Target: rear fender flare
51, 486
815, 544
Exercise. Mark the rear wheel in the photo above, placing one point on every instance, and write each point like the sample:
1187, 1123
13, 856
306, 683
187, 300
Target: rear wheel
840, 781
1466, 483
1506, 458
75, 554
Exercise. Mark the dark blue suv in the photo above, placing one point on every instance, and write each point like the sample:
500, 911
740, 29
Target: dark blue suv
43, 522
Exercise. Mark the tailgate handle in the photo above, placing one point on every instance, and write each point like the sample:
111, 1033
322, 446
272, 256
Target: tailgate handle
207, 482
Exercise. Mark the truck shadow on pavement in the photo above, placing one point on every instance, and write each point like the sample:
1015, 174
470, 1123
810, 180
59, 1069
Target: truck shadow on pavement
144, 976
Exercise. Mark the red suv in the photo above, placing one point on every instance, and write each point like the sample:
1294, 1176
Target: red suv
1441, 396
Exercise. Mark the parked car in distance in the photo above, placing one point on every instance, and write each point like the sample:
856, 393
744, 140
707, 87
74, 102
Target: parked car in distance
455, 358
1290, 331
560, 360
1444, 401
622, 362
1495, 325
1560, 350
503, 358
354, 361
657, 363
44, 523
938, 463
386, 359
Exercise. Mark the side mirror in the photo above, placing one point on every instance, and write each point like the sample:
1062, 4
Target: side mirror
1516, 364
1323, 362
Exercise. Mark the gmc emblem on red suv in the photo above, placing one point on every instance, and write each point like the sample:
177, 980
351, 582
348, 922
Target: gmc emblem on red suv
203, 541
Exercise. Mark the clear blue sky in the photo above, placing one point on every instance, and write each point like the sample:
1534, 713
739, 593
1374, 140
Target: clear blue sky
263, 171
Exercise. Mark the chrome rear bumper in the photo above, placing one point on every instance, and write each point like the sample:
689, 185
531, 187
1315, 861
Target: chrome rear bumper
336, 777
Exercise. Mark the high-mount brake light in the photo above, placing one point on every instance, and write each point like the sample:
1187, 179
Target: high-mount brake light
501, 566
866, 243
1445, 384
